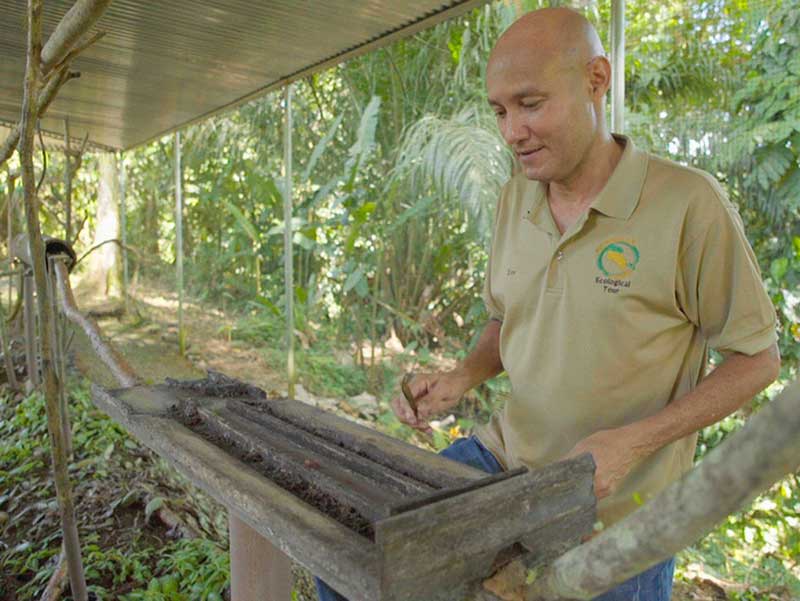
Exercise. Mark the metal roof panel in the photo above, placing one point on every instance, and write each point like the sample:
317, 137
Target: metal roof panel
163, 65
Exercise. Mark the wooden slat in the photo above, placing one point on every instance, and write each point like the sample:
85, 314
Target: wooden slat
345, 560
304, 465
440, 551
421, 465
387, 478
446, 493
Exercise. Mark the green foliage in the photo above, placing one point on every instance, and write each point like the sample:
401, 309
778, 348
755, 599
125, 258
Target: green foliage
758, 547
397, 165
321, 374
183, 570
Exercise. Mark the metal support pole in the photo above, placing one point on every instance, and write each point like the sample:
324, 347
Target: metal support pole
123, 226
5, 346
179, 240
10, 237
259, 570
287, 236
67, 184
617, 66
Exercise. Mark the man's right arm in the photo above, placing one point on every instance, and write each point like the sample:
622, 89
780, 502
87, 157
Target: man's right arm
438, 392
484, 361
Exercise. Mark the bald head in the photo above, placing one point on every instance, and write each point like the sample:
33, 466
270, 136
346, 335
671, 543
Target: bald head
546, 81
561, 36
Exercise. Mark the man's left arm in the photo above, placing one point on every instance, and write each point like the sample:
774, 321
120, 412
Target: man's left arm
719, 289
732, 384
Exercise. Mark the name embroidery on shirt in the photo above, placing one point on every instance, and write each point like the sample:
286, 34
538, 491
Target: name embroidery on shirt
617, 259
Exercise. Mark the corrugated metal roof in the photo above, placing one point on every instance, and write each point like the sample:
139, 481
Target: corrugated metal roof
165, 64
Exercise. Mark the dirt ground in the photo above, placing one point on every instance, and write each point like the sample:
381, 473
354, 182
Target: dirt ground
148, 337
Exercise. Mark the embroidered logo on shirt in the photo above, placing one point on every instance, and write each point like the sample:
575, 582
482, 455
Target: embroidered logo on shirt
617, 259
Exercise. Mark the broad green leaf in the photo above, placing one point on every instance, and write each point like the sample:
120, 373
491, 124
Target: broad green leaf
154, 505
241, 219
320, 147
778, 268
354, 278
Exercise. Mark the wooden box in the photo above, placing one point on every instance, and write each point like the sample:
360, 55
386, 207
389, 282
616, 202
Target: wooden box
375, 517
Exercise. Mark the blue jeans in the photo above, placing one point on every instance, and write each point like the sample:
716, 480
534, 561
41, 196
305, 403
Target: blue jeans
654, 584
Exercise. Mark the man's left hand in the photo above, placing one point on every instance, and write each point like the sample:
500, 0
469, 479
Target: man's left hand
614, 456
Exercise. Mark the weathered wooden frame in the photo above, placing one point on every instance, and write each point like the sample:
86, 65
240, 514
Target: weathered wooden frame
436, 550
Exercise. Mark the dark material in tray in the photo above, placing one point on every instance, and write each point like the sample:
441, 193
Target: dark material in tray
375, 517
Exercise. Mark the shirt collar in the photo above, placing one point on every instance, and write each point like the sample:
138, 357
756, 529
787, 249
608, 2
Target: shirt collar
618, 198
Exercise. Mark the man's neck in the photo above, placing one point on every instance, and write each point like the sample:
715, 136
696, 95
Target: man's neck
589, 178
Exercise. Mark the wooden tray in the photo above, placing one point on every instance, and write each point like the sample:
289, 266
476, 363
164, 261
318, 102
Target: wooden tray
375, 517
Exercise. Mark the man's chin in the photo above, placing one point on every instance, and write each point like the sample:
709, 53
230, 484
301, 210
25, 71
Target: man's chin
535, 173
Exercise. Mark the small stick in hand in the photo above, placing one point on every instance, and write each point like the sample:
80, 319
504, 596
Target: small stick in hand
404, 386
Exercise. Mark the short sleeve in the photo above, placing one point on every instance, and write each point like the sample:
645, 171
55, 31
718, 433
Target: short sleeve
719, 285
493, 307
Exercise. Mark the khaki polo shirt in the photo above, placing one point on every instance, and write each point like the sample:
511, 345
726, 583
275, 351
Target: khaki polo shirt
608, 323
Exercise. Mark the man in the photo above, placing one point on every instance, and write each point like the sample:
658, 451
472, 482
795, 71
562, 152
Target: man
611, 273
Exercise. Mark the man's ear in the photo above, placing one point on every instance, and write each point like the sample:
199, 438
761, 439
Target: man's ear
599, 75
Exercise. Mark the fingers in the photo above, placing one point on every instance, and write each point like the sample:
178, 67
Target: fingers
406, 415
403, 411
419, 385
416, 388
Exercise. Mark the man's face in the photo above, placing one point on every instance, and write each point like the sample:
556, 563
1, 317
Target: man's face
544, 111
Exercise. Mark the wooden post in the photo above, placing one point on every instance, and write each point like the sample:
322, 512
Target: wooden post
33, 83
287, 237
259, 570
617, 66
179, 241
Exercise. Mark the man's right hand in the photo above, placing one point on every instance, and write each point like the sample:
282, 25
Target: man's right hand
434, 394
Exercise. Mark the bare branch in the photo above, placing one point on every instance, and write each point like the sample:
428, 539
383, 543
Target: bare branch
79, 156
58, 580
116, 241
44, 156
727, 480
51, 212
78, 20
79, 230
80, 47
43, 100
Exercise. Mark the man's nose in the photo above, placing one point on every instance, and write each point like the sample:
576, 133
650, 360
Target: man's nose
514, 129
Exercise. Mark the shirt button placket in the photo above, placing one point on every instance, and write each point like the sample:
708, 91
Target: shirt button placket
553, 276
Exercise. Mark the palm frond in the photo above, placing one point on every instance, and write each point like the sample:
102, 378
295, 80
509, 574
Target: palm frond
460, 158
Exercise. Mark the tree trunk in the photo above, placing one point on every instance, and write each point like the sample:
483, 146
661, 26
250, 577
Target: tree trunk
104, 263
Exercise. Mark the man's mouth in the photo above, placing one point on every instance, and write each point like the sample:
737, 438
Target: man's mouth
524, 155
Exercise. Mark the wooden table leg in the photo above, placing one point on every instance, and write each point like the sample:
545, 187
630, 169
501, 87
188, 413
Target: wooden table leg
259, 570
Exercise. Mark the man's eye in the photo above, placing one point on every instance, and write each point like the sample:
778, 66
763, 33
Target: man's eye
532, 105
